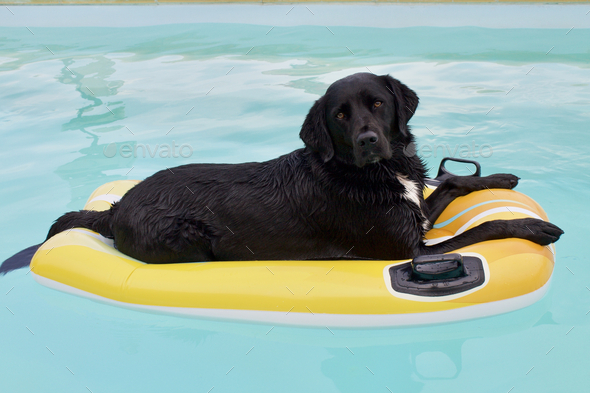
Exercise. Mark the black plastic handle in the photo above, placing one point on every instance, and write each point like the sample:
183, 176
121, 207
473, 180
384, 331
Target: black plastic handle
437, 267
443, 172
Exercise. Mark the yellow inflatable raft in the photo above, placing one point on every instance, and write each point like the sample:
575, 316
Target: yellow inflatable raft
497, 276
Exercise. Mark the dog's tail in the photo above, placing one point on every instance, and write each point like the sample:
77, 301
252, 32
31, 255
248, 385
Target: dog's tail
95, 221
19, 260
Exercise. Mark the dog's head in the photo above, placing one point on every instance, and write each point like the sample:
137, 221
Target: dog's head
359, 118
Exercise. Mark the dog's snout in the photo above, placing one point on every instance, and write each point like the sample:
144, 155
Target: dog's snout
367, 139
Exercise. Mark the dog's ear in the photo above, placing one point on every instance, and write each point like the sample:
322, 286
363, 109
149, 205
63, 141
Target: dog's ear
406, 102
314, 131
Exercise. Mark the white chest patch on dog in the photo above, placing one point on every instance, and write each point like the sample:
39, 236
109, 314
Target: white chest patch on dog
412, 194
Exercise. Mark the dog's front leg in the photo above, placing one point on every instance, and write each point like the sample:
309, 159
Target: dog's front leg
458, 186
533, 229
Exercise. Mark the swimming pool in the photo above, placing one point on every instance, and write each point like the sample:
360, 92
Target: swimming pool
80, 106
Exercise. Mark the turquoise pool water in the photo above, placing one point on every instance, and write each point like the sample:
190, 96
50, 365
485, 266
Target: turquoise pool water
81, 106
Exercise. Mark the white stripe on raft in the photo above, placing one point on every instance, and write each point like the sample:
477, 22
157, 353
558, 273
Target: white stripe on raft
107, 198
322, 320
503, 209
98, 236
494, 211
430, 242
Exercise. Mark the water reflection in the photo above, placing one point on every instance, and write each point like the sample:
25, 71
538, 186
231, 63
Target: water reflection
93, 120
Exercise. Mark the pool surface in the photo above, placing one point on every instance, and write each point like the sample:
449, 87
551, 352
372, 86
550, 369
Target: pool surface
94, 94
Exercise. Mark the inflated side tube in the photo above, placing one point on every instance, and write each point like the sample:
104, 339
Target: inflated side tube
483, 279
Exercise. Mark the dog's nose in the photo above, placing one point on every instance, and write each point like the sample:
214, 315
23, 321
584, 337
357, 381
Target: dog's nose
366, 139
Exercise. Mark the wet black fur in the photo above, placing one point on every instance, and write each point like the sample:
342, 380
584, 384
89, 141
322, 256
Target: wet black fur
339, 197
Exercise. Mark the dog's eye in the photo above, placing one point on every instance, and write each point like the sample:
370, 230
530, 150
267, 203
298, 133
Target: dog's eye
340, 115
377, 104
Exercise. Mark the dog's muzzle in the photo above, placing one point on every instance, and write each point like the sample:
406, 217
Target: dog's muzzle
370, 149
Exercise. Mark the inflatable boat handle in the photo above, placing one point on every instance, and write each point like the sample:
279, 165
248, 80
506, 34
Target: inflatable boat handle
437, 267
444, 173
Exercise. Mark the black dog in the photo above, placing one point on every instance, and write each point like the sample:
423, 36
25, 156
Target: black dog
350, 193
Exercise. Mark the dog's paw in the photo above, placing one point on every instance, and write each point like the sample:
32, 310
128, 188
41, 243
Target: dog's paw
463, 185
500, 180
535, 230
